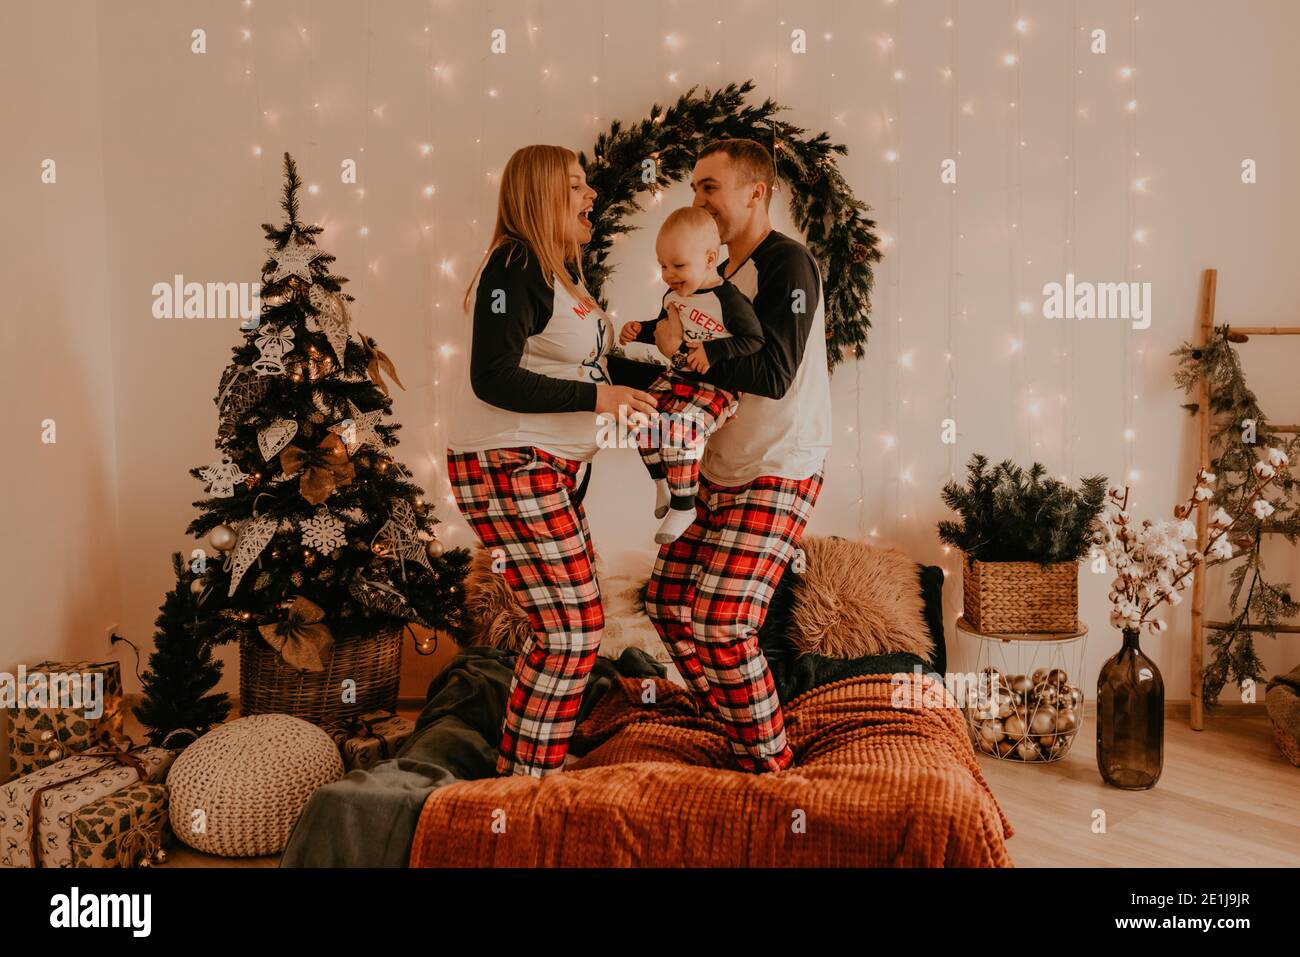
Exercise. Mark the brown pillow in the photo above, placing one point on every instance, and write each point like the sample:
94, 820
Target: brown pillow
854, 600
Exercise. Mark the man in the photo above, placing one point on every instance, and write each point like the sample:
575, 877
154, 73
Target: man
760, 474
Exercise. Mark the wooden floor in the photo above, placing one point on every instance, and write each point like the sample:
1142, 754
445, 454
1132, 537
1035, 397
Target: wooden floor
1226, 798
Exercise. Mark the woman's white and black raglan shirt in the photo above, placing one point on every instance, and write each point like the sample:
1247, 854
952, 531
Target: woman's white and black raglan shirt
784, 424
721, 316
536, 356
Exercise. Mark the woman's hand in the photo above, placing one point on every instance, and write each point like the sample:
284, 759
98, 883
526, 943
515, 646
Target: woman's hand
696, 358
668, 332
629, 332
611, 399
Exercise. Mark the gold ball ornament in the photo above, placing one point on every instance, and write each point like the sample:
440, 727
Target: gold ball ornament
1067, 721
196, 586
1043, 721
1015, 725
1027, 750
991, 731
223, 538
434, 548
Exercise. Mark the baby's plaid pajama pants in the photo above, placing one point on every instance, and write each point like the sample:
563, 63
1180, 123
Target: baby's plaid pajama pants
689, 412
518, 501
709, 595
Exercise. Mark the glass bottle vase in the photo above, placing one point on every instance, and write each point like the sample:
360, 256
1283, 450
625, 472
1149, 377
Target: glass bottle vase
1130, 718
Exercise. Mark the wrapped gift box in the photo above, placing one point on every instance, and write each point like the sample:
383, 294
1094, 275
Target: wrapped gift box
365, 741
38, 737
124, 829
36, 810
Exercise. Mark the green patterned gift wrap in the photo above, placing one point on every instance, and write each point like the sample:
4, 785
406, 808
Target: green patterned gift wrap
129, 828
365, 741
36, 810
39, 737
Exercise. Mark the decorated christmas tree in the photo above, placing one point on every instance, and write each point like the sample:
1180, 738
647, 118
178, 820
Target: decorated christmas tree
322, 534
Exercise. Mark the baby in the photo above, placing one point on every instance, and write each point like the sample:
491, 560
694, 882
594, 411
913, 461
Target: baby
690, 409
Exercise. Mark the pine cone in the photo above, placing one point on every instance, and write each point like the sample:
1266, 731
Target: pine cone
860, 252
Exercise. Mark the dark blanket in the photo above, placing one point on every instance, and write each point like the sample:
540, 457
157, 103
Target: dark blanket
368, 818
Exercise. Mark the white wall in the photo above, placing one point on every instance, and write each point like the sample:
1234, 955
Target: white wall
159, 177
59, 564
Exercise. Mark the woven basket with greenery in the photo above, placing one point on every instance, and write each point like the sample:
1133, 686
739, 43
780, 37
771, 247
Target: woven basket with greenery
1016, 597
268, 686
1021, 536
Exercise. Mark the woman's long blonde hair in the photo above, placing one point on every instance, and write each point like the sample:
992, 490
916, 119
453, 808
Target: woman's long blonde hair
531, 207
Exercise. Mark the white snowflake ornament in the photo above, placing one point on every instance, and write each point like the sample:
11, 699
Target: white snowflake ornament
323, 532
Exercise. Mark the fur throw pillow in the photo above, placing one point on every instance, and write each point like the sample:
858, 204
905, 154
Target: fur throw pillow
495, 616
854, 600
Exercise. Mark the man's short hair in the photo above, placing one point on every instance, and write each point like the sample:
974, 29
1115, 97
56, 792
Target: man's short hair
751, 159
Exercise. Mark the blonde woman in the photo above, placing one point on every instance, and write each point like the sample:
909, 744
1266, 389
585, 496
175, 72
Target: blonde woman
525, 425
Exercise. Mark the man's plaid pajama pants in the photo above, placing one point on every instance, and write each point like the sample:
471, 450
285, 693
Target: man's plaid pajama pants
709, 595
518, 501
689, 412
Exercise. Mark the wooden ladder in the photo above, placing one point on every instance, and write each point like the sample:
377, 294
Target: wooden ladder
1205, 332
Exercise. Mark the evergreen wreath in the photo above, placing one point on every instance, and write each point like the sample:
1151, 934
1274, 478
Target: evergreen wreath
1233, 409
835, 224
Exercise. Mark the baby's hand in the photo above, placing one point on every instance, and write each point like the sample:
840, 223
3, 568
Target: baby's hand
629, 332
697, 359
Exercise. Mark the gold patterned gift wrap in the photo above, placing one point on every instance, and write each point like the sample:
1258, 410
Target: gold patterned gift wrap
128, 828
42, 735
365, 741
36, 810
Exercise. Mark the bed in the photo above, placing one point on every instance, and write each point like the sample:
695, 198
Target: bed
873, 784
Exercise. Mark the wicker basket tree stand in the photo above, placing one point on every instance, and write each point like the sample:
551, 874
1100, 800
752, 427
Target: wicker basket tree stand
1019, 597
372, 663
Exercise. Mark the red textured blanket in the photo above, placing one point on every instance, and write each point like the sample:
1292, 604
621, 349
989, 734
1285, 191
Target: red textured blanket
872, 785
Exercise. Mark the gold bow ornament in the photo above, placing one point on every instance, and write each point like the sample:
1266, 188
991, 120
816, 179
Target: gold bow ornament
303, 639
376, 363
324, 468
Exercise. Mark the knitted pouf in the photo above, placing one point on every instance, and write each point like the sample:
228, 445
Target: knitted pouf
238, 790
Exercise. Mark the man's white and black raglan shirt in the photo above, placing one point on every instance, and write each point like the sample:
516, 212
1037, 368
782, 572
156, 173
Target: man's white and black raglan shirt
536, 357
784, 424
721, 315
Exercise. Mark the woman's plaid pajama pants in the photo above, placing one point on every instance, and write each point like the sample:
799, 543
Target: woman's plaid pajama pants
518, 501
689, 412
709, 595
